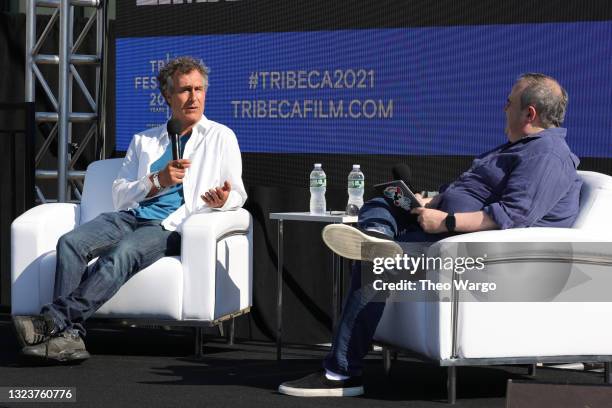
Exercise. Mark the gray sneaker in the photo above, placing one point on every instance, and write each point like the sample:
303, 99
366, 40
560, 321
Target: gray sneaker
354, 243
66, 347
32, 330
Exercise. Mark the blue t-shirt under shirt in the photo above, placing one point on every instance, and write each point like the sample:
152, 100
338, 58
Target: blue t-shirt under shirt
162, 205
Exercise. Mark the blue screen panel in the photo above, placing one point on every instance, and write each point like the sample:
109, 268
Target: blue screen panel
412, 91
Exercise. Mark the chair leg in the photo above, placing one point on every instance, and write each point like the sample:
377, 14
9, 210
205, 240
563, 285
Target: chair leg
451, 385
531, 370
221, 329
199, 346
386, 355
608, 372
230, 334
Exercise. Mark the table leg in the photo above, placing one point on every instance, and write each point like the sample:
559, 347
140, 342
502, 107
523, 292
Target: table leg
336, 290
279, 293
338, 287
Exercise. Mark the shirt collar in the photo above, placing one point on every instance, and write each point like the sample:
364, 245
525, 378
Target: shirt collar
553, 131
201, 126
550, 132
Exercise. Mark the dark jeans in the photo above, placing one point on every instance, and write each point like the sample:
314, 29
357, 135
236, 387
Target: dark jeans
360, 314
123, 244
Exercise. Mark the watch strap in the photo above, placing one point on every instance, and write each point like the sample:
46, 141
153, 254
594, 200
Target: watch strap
451, 222
156, 182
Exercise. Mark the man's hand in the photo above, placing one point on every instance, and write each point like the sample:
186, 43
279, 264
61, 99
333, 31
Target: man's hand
429, 202
174, 172
432, 221
423, 201
216, 197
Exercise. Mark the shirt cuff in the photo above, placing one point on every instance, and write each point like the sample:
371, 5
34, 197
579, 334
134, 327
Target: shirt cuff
146, 180
497, 213
230, 203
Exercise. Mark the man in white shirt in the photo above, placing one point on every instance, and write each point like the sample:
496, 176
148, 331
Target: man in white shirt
153, 195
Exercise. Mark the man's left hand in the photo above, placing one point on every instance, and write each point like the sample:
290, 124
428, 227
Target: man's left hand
431, 220
216, 197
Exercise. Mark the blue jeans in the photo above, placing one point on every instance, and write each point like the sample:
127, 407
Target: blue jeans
360, 314
123, 244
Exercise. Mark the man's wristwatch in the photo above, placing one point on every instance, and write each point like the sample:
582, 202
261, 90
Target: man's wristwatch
156, 182
450, 222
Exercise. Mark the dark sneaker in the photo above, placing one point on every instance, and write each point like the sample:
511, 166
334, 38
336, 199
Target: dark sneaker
318, 385
32, 330
354, 243
64, 348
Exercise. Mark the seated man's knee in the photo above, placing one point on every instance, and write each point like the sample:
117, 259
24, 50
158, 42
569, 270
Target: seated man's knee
127, 257
110, 269
378, 215
374, 209
68, 241
125, 249
374, 204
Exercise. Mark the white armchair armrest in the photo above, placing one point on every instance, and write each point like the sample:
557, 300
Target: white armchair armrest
200, 234
34, 233
561, 243
532, 264
536, 234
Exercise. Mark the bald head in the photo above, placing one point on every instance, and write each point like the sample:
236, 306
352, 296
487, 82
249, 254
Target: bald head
548, 98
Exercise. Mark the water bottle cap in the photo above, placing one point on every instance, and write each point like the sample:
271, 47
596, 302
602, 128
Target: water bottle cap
317, 164
356, 167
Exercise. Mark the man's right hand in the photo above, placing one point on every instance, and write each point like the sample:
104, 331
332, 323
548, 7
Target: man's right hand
174, 172
430, 202
422, 200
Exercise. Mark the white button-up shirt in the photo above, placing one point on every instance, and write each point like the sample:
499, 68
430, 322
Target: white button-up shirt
215, 157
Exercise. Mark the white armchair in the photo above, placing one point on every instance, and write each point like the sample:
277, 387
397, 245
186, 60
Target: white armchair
454, 333
210, 282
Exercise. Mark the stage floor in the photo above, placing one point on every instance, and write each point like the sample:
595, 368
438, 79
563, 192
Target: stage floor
151, 367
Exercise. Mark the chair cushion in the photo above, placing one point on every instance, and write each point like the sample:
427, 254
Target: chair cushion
154, 293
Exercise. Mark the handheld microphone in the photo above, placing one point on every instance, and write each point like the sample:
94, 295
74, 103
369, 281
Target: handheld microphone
174, 130
402, 172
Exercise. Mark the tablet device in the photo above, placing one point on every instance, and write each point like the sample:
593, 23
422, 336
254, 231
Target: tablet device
398, 193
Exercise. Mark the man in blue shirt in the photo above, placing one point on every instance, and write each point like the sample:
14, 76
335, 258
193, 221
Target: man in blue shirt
153, 195
529, 181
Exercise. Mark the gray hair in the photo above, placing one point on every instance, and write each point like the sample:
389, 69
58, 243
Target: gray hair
182, 65
541, 93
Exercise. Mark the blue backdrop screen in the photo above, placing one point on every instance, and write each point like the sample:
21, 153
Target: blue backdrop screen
412, 91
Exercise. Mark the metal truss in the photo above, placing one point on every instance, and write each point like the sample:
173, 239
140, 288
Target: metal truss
69, 180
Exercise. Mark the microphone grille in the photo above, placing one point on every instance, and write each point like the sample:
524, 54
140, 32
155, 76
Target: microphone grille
174, 126
402, 171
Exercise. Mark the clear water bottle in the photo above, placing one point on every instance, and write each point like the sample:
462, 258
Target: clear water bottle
318, 185
356, 185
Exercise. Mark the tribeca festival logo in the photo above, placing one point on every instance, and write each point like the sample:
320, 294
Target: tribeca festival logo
145, 84
337, 80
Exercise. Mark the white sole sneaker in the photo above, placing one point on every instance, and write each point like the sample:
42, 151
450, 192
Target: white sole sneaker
321, 392
351, 243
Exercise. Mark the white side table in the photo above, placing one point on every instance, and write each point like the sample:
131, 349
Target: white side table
333, 217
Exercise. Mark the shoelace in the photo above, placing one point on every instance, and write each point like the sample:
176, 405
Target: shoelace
71, 333
41, 330
66, 334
